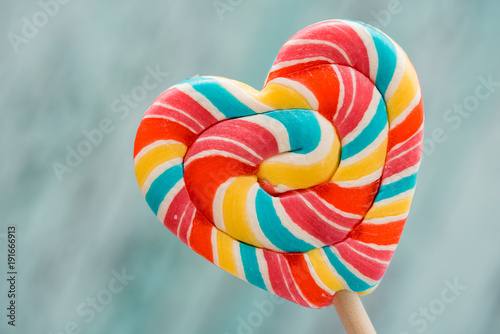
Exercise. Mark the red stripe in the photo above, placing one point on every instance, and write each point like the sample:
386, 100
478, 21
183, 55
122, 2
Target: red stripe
384, 255
310, 289
292, 286
205, 175
176, 208
383, 234
356, 200
153, 129
366, 266
278, 282
200, 239
408, 127
177, 99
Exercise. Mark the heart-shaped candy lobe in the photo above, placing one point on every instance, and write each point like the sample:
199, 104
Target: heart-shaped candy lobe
303, 188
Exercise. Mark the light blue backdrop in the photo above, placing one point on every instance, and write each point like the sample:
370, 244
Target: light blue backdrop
78, 231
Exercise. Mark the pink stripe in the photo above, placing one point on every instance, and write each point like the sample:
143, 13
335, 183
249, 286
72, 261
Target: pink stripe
186, 223
157, 110
337, 33
175, 210
362, 98
347, 83
292, 286
413, 141
383, 255
310, 222
252, 135
276, 276
409, 159
366, 266
320, 205
224, 146
296, 52
182, 101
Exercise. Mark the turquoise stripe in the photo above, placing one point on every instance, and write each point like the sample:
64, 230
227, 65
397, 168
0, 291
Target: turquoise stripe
396, 188
387, 58
354, 283
369, 133
251, 266
227, 104
271, 225
162, 185
302, 126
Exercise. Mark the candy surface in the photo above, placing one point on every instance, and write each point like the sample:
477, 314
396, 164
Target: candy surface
303, 188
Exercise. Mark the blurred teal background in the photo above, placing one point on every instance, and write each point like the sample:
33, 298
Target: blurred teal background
78, 231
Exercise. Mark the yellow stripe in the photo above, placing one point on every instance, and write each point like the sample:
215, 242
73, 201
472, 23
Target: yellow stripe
226, 253
323, 270
276, 96
370, 290
392, 209
404, 94
282, 97
156, 157
234, 210
299, 176
363, 167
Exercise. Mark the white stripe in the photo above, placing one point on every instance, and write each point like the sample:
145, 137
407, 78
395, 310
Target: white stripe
175, 120
368, 257
398, 74
395, 147
296, 286
201, 99
354, 87
372, 147
365, 180
232, 141
190, 221
351, 268
243, 96
367, 39
385, 220
378, 247
367, 117
209, 153
264, 270
332, 269
163, 105
340, 102
237, 260
403, 195
401, 117
283, 64
153, 145
218, 204
320, 152
157, 172
326, 220
334, 209
275, 127
411, 170
254, 221
167, 200
299, 88
315, 276
321, 42
292, 227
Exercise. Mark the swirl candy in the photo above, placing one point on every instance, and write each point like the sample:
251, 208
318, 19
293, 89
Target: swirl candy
303, 188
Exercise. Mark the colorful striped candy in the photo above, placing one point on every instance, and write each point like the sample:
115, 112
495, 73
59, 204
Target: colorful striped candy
303, 188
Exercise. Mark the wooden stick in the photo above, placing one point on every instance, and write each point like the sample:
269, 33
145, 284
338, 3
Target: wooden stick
352, 313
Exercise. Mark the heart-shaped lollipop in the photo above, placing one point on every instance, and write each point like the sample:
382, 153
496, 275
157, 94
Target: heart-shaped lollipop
303, 188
